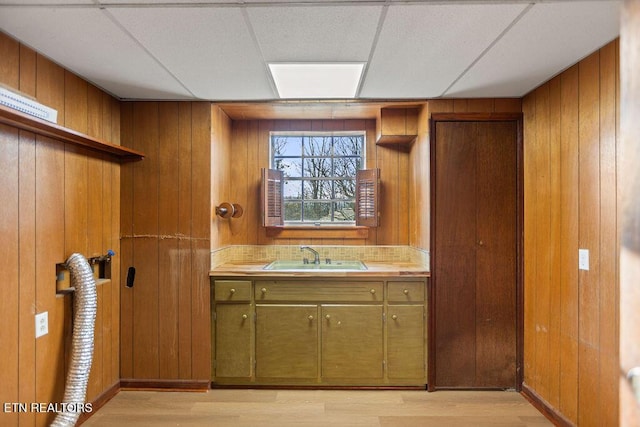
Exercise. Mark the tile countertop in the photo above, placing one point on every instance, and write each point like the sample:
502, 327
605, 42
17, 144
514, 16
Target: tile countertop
374, 268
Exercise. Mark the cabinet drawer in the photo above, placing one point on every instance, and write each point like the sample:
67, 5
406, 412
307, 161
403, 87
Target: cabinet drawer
405, 291
232, 290
317, 291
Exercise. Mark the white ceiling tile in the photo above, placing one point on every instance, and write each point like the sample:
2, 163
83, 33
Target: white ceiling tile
423, 48
320, 33
209, 50
548, 39
88, 43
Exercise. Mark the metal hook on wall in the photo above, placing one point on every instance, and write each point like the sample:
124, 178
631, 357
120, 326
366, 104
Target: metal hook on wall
229, 210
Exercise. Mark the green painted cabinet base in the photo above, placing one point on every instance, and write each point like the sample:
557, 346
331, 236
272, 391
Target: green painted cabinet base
306, 332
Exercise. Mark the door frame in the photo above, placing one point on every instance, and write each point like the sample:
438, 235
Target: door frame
479, 117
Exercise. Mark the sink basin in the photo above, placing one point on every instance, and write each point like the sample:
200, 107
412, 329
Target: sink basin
284, 265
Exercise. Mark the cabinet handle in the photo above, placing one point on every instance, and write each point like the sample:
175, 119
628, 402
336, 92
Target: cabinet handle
245, 317
328, 316
232, 290
394, 317
263, 290
310, 317
373, 291
406, 292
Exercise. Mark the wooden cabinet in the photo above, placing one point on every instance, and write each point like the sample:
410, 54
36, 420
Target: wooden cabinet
286, 341
352, 345
233, 322
405, 341
305, 331
405, 329
233, 331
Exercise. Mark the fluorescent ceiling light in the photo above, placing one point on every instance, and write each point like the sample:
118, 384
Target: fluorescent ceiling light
317, 80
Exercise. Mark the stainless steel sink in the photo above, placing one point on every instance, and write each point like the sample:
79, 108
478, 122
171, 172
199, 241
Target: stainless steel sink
293, 265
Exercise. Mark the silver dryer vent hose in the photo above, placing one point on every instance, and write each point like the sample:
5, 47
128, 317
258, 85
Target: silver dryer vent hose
85, 305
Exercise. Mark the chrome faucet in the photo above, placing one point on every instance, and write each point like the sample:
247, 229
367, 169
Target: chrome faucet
316, 255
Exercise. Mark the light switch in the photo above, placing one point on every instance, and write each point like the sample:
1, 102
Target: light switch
583, 259
42, 324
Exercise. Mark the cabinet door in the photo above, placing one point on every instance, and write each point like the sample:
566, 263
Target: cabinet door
287, 341
352, 345
234, 329
405, 342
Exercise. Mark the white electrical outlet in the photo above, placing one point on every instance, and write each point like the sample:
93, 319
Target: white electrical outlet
583, 259
42, 324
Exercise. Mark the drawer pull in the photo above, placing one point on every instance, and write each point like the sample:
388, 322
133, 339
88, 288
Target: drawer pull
232, 290
394, 317
328, 316
373, 291
406, 292
263, 290
310, 317
245, 317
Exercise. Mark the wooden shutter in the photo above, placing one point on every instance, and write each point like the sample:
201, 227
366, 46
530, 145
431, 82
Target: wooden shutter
367, 197
272, 198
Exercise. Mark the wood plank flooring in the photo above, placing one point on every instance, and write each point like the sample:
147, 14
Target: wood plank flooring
281, 408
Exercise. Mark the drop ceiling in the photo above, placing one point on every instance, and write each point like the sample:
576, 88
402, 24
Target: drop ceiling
219, 50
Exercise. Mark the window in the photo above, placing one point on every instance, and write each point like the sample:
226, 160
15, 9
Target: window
319, 175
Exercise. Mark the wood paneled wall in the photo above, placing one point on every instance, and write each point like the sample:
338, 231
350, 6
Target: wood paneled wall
571, 316
165, 332
240, 160
419, 174
57, 199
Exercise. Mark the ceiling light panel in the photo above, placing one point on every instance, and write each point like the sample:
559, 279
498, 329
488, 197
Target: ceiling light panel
320, 34
87, 42
423, 48
332, 81
548, 39
209, 49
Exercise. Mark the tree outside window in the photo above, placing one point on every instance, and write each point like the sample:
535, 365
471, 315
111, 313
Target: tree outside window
320, 174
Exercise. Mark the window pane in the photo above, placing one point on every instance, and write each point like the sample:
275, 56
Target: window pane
345, 166
290, 167
316, 189
293, 211
348, 145
345, 189
292, 189
282, 145
317, 211
317, 168
317, 145
344, 211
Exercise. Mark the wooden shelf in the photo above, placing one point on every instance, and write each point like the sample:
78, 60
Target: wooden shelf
396, 139
29, 123
397, 127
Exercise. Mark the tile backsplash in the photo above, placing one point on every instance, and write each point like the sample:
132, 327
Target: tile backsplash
263, 253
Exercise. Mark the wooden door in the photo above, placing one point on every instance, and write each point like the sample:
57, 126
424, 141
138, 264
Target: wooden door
352, 343
287, 341
475, 254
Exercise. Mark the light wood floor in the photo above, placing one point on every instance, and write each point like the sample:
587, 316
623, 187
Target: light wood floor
254, 408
